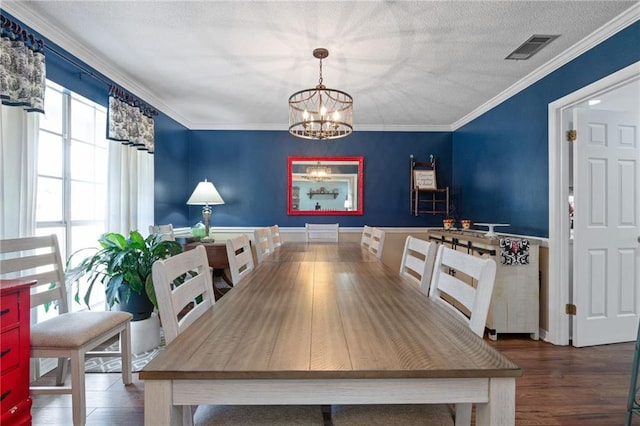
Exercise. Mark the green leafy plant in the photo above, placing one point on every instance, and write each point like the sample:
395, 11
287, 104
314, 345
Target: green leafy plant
121, 260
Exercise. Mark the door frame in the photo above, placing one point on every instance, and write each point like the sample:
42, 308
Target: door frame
559, 285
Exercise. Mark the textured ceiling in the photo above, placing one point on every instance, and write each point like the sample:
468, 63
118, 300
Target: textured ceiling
409, 65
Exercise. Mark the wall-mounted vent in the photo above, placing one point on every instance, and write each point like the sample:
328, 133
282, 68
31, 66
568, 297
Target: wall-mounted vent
531, 47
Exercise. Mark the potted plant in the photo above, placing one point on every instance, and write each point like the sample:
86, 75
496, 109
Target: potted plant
123, 266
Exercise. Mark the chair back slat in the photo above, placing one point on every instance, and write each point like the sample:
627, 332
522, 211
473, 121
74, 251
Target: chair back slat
274, 235
191, 268
446, 284
377, 242
263, 243
365, 240
36, 258
417, 261
322, 232
240, 257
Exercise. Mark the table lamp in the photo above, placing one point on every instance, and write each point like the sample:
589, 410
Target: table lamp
205, 195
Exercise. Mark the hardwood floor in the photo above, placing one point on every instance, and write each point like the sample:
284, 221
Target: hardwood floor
561, 386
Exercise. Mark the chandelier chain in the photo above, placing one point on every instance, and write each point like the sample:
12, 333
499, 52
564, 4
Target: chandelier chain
320, 80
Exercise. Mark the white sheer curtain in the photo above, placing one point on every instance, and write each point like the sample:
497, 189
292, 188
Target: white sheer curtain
131, 173
18, 169
22, 88
130, 189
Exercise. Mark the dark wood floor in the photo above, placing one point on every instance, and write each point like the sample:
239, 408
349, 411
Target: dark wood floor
561, 386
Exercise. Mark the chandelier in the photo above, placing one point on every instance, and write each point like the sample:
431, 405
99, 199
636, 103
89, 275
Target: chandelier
320, 113
318, 173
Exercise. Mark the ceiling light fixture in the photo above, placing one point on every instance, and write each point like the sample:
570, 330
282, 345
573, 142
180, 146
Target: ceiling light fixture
318, 173
320, 113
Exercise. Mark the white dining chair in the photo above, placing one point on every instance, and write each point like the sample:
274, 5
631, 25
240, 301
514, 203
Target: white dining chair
240, 257
322, 232
417, 261
68, 336
263, 243
166, 231
365, 239
377, 242
274, 234
476, 300
181, 305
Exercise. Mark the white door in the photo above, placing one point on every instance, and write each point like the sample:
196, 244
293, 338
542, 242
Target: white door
606, 261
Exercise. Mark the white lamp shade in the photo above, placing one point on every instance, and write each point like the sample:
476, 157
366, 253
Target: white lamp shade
205, 194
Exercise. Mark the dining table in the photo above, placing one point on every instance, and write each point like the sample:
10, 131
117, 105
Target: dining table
322, 324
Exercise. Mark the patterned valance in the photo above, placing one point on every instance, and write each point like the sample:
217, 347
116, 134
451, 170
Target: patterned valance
22, 67
130, 120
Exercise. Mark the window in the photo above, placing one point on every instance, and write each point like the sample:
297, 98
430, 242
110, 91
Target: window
72, 174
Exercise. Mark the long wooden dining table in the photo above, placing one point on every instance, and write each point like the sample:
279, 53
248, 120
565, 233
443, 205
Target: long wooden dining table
327, 323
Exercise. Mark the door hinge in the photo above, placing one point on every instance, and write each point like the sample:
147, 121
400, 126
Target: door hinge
572, 135
570, 309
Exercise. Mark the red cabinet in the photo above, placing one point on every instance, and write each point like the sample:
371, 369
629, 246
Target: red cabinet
15, 403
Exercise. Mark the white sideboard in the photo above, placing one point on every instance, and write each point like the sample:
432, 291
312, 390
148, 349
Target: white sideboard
515, 302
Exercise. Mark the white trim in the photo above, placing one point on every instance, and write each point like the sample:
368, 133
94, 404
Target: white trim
180, 232
559, 285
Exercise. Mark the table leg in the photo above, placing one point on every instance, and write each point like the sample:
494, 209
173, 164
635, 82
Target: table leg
501, 408
158, 404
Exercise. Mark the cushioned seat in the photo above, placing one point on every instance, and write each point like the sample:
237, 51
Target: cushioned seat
392, 415
73, 330
258, 415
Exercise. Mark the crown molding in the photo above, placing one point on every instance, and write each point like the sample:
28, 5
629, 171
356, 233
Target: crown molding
357, 128
21, 12
628, 17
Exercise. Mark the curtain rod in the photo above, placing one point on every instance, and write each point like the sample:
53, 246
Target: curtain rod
79, 66
114, 89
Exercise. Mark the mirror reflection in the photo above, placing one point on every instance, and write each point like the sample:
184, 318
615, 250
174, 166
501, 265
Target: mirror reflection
325, 186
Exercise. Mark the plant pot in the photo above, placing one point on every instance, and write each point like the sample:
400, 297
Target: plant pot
139, 305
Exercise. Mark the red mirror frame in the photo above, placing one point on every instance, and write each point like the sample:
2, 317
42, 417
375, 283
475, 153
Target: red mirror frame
356, 211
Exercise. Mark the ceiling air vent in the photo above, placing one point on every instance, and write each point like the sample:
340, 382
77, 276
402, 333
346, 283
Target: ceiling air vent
531, 47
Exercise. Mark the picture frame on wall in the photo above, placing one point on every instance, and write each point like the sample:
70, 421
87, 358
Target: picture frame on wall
424, 179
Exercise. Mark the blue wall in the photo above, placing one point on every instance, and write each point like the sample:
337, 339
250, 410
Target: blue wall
249, 169
500, 160
496, 165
